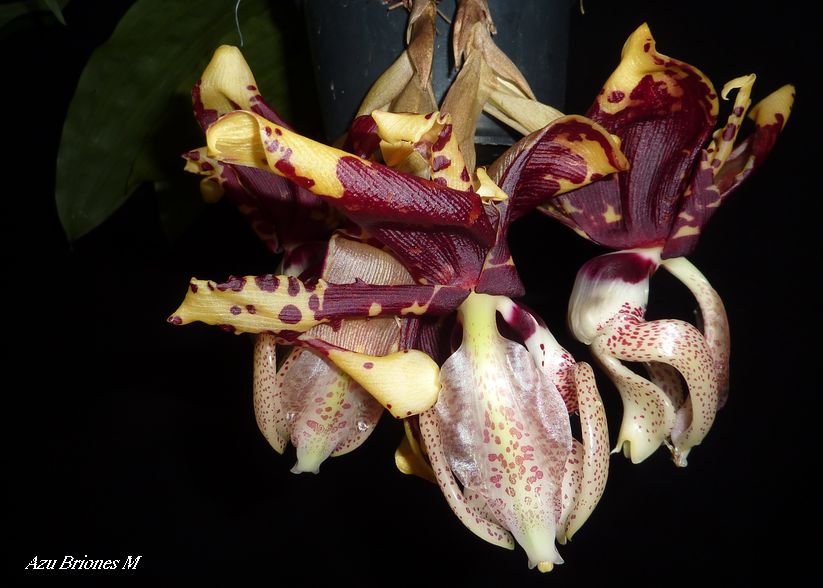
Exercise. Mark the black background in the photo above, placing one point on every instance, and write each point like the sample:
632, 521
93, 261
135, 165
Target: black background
130, 437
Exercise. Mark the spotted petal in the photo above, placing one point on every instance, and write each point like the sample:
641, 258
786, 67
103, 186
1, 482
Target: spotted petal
286, 306
595, 451
715, 323
505, 431
477, 521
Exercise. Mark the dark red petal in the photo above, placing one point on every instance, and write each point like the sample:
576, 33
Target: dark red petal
567, 154
663, 111
362, 139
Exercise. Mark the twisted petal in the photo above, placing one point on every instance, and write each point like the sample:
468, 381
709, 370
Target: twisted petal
567, 154
606, 311
594, 454
227, 84
680, 345
715, 323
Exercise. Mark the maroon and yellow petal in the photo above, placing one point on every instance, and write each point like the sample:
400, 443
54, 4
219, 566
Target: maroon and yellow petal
722, 169
285, 306
566, 155
770, 116
663, 110
227, 84
392, 205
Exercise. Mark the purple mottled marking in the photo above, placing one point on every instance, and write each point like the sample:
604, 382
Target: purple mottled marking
268, 131
251, 88
227, 328
235, 310
193, 288
521, 322
175, 320
728, 134
278, 132
206, 166
631, 268
368, 365
294, 286
193, 155
440, 162
210, 286
442, 138
616, 96
267, 282
738, 111
314, 302
464, 175
234, 284
250, 308
290, 314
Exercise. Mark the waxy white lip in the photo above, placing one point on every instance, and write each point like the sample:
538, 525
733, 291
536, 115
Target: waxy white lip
595, 301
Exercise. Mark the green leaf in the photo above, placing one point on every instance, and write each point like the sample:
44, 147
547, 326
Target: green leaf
11, 10
56, 8
132, 101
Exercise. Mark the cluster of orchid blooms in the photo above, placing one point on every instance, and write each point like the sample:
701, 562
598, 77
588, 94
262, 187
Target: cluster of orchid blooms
395, 279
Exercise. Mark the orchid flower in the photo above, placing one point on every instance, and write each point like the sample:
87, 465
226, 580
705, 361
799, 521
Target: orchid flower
306, 399
663, 111
449, 233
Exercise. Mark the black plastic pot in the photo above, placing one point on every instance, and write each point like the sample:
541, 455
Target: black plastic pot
354, 41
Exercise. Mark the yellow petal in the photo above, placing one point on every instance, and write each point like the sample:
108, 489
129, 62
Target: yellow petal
227, 82
248, 139
405, 382
774, 108
409, 457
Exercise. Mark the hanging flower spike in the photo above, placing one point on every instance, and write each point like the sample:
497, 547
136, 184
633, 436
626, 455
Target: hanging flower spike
663, 111
415, 218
